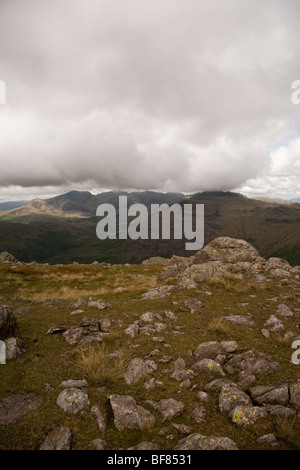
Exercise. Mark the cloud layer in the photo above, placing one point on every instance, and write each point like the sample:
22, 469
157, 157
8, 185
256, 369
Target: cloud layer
172, 95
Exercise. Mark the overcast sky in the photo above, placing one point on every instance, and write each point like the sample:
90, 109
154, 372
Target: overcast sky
171, 95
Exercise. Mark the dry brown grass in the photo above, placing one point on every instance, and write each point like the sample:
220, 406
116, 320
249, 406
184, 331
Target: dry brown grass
233, 283
66, 288
219, 324
98, 367
286, 431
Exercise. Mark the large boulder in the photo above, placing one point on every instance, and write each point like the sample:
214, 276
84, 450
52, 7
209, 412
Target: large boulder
228, 250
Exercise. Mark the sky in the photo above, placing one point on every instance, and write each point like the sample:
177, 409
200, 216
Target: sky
167, 95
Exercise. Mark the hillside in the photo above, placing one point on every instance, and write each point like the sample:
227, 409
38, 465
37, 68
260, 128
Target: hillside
178, 354
62, 229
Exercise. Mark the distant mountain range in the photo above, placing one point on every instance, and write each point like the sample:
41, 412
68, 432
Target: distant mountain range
62, 229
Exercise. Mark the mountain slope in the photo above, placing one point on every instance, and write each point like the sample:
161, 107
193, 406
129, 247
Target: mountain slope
51, 235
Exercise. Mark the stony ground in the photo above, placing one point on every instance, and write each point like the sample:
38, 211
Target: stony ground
153, 355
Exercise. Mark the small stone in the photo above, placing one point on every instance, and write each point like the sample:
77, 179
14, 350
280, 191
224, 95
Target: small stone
182, 428
203, 397
137, 369
101, 418
98, 444
199, 414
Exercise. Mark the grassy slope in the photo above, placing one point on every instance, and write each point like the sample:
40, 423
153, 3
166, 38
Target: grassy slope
50, 359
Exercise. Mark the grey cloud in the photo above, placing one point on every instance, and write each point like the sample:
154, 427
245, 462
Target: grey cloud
169, 95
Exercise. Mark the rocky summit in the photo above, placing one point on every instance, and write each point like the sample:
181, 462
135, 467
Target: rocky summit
186, 353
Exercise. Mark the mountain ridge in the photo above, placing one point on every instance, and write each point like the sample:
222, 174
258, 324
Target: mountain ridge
63, 229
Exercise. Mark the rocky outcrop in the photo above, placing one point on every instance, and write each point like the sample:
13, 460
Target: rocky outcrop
9, 334
224, 256
6, 257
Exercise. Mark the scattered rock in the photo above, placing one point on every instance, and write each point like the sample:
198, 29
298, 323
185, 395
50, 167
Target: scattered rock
71, 383
59, 439
274, 324
6, 257
13, 408
138, 369
295, 395
267, 439
268, 394
73, 401
240, 319
199, 414
169, 408
208, 365
195, 305
251, 362
129, 415
200, 442
98, 444
53, 330
157, 293
209, 350
245, 415
230, 397
101, 418
182, 428
284, 311
8, 324
147, 445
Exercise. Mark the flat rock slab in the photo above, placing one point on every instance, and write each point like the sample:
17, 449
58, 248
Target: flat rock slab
199, 442
59, 439
240, 319
13, 408
251, 362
